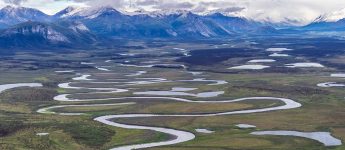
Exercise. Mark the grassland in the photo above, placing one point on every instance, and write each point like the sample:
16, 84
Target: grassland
323, 108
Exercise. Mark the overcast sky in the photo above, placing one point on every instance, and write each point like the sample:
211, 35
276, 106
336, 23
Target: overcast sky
301, 11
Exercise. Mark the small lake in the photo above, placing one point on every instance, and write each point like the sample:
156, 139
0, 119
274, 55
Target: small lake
324, 137
16, 85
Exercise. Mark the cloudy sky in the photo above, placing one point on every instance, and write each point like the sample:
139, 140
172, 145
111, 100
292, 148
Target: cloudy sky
299, 11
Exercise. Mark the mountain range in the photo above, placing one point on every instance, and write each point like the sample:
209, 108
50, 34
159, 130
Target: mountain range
334, 21
82, 27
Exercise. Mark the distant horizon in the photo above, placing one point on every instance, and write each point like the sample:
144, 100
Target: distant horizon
172, 74
296, 12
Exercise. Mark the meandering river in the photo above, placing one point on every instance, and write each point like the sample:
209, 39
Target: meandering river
180, 136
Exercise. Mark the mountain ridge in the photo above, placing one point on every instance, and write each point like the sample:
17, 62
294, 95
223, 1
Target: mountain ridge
85, 26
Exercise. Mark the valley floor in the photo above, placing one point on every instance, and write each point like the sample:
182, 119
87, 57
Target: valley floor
176, 96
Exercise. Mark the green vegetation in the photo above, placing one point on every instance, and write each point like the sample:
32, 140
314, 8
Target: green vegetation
89, 135
323, 108
8, 127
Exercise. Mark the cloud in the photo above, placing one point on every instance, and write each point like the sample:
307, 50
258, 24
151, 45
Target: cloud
47, 6
14, 2
147, 2
174, 5
298, 11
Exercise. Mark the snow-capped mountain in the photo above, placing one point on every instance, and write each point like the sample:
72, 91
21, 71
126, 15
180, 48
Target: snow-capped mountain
233, 24
86, 12
168, 12
229, 12
34, 28
332, 17
334, 21
77, 25
11, 15
187, 24
67, 12
107, 21
36, 34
